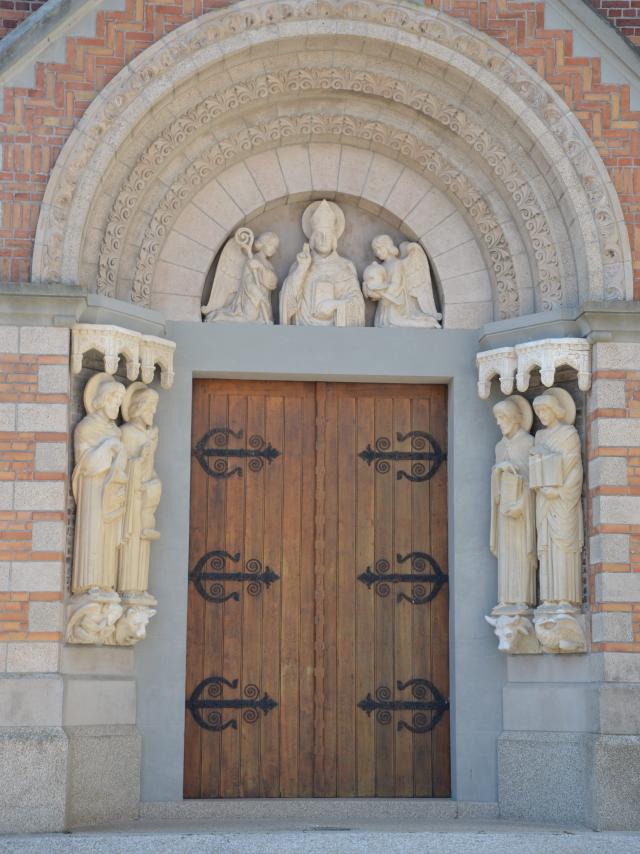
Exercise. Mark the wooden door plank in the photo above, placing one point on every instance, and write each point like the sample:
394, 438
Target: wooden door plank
365, 598
319, 589
384, 640
326, 697
289, 676
403, 610
345, 600
421, 629
252, 638
232, 540
195, 613
307, 597
213, 622
440, 605
272, 598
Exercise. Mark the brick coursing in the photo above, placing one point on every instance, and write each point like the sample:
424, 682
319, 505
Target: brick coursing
37, 122
13, 12
628, 527
624, 15
18, 386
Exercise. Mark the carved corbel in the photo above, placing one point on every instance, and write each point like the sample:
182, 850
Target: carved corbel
515, 633
550, 354
560, 632
496, 363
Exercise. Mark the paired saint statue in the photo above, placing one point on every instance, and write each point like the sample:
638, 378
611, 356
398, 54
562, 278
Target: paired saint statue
117, 491
322, 287
536, 521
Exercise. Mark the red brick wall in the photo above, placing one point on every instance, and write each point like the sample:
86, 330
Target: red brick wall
12, 12
623, 14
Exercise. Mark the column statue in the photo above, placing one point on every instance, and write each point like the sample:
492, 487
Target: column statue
400, 281
555, 467
99, 487
322, 288
513, 509
140, 439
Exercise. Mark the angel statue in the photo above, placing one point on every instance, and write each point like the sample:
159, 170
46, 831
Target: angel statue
400, 281
244, 280
322, 288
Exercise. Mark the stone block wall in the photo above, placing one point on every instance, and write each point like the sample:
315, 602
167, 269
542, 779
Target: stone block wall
34, 397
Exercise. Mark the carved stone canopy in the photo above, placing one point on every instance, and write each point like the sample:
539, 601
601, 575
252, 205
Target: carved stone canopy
515, 364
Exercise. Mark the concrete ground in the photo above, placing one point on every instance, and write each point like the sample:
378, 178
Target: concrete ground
382, 836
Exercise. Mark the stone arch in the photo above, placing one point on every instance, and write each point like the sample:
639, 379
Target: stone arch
577, 190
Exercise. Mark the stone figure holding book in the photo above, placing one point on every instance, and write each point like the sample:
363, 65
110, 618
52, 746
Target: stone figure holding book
512, 509
322, 288
556, 476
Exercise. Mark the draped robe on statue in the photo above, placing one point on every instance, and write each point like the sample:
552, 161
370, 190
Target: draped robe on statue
513, 539
559, 520
98, 484
143, 497
328, 278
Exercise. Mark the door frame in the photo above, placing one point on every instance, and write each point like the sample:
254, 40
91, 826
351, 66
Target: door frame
368, 355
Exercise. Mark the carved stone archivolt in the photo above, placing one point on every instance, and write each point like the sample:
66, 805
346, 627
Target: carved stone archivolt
579, 192
451, 116
537, 524
117, 491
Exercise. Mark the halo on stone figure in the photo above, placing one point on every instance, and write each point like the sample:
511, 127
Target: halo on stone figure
128, 398
526, 412
561, 397
92, 389
309, 212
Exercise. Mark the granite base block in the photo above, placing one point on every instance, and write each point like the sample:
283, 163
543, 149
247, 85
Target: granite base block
543, 777
33, 779
615, 782
104, 774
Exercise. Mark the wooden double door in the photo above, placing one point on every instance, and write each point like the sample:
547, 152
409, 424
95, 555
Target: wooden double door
317, 655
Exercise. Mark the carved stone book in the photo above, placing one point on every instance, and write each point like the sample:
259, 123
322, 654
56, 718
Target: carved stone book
545, 470
510, 489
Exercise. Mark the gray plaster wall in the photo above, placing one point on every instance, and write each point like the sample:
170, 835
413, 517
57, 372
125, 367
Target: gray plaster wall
478, 671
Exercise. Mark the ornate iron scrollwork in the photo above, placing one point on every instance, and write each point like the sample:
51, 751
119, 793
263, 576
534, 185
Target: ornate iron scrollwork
381, 579
257, 452
424, 463
206, 704
210, 582
384, 706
